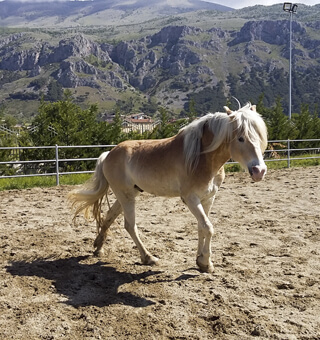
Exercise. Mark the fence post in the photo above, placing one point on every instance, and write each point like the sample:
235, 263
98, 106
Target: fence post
288, 147
57, 165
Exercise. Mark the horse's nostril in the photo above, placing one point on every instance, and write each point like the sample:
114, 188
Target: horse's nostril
255, 169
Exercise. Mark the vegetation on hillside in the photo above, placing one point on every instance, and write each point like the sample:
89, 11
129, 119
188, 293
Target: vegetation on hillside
259, 81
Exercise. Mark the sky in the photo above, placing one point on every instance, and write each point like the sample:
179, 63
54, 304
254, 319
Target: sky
245, 3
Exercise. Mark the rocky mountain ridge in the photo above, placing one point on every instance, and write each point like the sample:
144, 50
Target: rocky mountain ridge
169, 64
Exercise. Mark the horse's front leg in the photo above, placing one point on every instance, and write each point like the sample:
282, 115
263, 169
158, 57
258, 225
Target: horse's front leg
204, 238
205, 231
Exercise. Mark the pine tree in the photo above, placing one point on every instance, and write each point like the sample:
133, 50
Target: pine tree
279, 126
115, 128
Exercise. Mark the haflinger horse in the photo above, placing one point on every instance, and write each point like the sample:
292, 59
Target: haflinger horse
189, 165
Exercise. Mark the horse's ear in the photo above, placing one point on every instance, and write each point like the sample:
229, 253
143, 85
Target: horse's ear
228, 110
254, 108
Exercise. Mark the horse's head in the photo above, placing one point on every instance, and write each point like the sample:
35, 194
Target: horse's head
249, 140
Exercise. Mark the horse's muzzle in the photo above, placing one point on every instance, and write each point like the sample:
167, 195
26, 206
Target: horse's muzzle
258, 172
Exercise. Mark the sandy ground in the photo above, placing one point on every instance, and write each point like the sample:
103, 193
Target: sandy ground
266, 252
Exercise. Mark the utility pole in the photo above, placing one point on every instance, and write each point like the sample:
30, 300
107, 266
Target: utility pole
290, 8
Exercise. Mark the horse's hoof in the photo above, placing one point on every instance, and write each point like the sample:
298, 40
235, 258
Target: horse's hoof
98, 252
98, 242
150, 260
206, 268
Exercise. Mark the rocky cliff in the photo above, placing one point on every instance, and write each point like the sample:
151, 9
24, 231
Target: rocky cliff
175, 60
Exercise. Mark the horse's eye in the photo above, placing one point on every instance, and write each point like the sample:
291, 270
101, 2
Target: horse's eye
241, 139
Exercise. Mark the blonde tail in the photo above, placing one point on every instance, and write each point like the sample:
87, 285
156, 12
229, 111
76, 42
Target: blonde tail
91, 194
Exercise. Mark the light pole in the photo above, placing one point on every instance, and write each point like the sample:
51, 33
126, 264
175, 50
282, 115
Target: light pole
290, 8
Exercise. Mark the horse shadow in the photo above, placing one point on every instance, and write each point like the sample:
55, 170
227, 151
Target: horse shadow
84, 284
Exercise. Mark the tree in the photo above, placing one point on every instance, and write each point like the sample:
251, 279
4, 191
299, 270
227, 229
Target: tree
307, 126
6, 155
8, 138
55, 91
65, 123
9, 121
2, 111
150, 107
38, 84
232, 82
115, 129
278, 124
304, 123
166, 127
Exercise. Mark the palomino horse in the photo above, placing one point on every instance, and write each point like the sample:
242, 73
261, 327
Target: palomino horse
189, 165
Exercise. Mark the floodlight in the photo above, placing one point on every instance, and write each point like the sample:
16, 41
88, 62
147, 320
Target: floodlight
290, 7
287, 6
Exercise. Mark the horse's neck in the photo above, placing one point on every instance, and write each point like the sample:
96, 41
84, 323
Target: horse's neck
207, 137
217, 158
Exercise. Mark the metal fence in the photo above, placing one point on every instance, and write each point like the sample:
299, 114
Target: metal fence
282, 153
56, 161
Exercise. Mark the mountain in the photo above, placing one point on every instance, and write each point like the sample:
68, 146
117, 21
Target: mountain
163, 62
96, 12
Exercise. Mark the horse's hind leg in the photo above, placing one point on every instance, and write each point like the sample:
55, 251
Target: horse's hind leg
131, 227
112, 214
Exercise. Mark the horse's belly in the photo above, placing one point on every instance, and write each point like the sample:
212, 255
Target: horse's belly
161, 188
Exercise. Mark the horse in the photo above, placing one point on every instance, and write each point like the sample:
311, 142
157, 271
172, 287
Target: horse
189, 165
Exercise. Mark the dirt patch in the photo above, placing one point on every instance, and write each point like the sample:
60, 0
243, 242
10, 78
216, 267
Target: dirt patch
265, 251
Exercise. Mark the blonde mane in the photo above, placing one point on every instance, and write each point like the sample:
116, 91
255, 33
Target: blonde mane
245, 122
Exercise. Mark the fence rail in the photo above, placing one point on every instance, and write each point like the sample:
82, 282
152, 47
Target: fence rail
287, 150
56, 161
